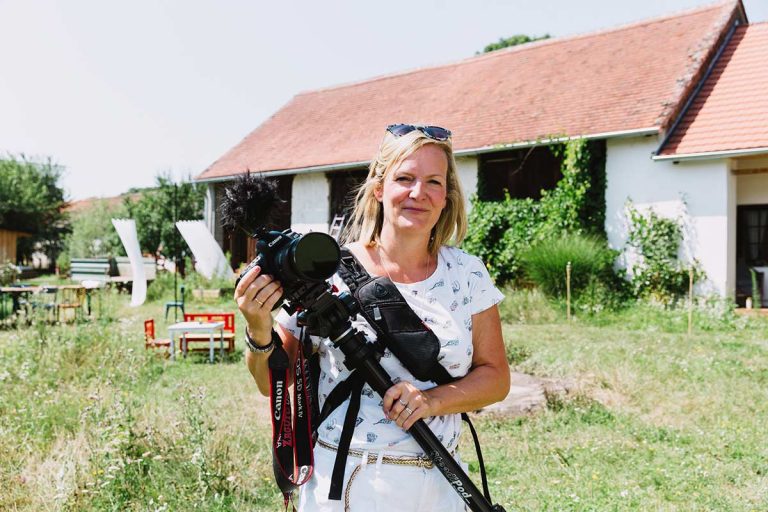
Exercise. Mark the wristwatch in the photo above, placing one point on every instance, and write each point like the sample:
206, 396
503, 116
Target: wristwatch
260, 349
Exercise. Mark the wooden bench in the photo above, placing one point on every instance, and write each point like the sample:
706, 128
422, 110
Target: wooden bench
203, 340
91, 269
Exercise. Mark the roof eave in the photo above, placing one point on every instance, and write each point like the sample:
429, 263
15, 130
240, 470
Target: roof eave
461, 152
711, 155
283, 172
697, 85
638, 132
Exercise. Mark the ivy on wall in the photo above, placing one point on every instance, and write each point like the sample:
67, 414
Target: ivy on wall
500, 231
659, 274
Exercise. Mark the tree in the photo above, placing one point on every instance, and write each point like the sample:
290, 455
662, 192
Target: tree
93, 234
31, 201
513, 41
157, 210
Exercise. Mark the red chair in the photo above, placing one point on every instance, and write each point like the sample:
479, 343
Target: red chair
228, 331
150, 342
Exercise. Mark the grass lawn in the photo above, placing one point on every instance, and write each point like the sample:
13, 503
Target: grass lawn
659, 420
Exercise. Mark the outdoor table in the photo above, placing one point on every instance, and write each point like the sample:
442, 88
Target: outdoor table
15, 292
185, 327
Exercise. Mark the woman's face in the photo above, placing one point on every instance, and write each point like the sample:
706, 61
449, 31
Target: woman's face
414, 194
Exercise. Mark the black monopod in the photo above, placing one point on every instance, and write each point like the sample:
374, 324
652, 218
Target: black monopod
330, 317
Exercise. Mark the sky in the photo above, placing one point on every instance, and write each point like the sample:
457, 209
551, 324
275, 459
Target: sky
117, 92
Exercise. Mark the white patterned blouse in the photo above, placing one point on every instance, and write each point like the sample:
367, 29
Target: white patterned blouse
459, 288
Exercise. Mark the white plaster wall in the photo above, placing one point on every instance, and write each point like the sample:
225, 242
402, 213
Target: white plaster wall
466, 168
752, 189
702, 190
730, 285
310, 203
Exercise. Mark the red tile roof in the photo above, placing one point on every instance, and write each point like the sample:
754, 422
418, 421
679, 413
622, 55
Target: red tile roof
629, 78
84, 205
730, 113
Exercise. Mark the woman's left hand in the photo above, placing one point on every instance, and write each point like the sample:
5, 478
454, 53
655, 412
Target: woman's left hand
404, 403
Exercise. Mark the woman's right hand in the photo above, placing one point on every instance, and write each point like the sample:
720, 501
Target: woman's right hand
255, 295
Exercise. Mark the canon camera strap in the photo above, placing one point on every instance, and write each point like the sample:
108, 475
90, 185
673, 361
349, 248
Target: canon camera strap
292, 456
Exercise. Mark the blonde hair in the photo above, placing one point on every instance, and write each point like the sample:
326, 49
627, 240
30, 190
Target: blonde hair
368, 214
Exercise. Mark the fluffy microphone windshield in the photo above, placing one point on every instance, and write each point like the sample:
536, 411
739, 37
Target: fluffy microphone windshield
248, 203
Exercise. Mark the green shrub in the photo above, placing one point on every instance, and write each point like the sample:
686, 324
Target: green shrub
608, 293
93, 235
500, 231
545, 263
756, 300
659, 274
162, 286
195, 280
8, 273
64, 263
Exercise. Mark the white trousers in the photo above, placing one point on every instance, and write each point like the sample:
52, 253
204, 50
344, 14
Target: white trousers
378, 488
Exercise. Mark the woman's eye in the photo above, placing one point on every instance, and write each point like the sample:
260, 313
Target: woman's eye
402, 178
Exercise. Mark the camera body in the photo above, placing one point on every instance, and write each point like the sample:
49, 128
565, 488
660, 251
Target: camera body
302, 263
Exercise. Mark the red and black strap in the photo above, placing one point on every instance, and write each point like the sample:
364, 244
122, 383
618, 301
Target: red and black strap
292, 456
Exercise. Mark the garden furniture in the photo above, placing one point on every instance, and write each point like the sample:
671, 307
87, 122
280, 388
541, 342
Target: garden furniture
19, 297
45, 298
90, 285
73, 298
227, 334
150, 342
175, 303
90, 269
184, 328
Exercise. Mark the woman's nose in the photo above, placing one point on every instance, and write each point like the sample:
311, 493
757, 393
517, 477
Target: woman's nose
418, 189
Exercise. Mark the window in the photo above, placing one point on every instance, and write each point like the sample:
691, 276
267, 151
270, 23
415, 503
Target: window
752, 235
751, 251
523, 172
344, 185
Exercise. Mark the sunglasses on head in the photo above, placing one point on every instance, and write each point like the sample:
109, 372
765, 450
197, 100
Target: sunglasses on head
433, 132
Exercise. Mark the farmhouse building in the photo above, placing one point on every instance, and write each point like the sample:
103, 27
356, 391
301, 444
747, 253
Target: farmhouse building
8, 243
676, 106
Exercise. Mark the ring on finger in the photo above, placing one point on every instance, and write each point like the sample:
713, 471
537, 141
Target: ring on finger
409, 411
404, 404
257, 300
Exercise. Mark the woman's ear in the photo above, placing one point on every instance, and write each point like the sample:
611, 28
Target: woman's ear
378, 191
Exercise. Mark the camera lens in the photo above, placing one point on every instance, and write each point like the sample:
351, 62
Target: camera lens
315, 256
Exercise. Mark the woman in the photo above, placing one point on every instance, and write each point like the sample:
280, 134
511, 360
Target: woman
410, 206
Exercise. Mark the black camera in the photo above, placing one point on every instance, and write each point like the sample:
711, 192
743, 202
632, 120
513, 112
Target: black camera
299, 262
